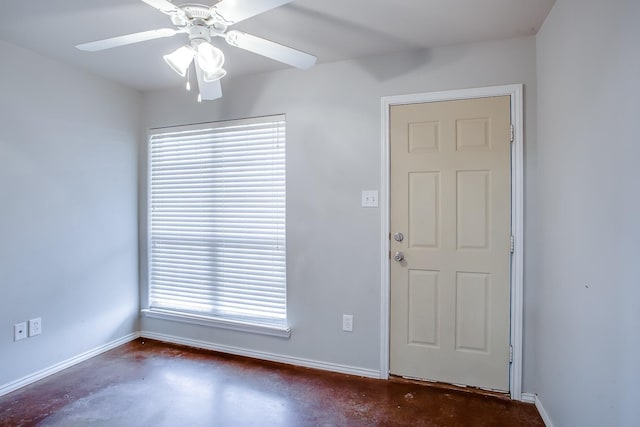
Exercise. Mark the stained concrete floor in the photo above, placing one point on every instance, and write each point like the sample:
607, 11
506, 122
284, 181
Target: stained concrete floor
148, 383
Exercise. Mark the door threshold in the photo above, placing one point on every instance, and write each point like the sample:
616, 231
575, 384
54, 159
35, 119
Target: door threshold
455, 387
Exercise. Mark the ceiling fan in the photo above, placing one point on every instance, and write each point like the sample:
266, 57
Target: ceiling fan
202, 23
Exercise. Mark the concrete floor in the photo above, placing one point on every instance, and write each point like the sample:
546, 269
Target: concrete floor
148, 383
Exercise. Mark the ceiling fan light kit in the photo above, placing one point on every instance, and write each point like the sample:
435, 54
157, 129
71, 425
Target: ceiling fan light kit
180, 59
210, 58
214, 76
201, 23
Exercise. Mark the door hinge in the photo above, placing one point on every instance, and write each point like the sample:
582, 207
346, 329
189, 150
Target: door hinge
512, 244
513, 133
389, 254
510, 354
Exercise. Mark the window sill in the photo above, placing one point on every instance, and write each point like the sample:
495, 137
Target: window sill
234, 325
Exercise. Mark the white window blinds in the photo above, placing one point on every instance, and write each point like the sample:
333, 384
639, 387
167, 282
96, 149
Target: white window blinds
217, 220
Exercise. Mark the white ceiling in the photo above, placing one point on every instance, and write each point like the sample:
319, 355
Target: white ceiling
330, 29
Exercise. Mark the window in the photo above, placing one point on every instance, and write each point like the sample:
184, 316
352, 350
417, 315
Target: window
216, 223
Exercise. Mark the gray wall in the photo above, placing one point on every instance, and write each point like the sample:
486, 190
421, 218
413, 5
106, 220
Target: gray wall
587, 335
334, 146
68, 206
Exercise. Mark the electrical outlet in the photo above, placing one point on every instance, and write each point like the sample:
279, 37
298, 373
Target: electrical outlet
35, 327
347, 322
19, 331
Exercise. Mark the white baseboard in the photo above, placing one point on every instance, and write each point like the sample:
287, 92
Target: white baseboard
29, 379
289, 360
533, 398
543, 413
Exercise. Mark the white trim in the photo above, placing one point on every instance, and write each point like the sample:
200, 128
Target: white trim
517, 218
37, 376
543, 412
289, 360
528, 398
517, 229
255, 328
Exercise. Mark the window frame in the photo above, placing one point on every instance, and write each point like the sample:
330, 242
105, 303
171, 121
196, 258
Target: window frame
204, 319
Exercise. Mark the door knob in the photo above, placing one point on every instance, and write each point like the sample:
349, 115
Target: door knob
398, 237
399, 256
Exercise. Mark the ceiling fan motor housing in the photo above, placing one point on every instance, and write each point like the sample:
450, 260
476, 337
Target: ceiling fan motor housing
198, 16
194, 10
199, 34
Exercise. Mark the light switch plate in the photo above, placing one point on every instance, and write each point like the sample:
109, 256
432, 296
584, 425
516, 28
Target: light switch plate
370, 199
347, 322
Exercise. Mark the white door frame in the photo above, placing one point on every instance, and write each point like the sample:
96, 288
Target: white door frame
517, 218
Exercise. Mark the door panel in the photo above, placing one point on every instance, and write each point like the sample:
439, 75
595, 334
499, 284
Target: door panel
451, 198
424, 213
423, 312
473, 204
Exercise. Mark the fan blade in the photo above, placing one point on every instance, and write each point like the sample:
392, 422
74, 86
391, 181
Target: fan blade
270, 49
208, 90
128, 39
233, 11
164, 6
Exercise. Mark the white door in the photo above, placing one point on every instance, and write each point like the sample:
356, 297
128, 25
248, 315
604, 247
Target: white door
451, 201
